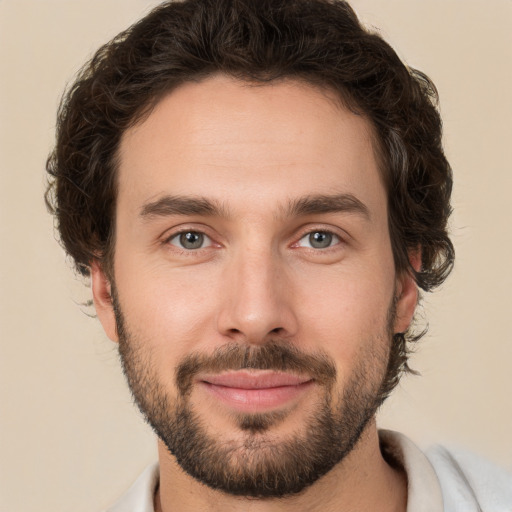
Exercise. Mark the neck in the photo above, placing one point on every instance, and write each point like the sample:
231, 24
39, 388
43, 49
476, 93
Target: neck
363, 480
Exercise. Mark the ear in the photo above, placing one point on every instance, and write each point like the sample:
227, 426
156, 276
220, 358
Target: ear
102, 298
407, 294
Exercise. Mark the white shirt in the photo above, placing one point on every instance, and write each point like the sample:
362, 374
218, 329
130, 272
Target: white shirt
438, 480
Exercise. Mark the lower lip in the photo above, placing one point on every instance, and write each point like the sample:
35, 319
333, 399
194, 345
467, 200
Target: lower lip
257, 400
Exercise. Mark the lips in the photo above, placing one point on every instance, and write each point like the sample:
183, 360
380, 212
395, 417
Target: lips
256, 390
255, 379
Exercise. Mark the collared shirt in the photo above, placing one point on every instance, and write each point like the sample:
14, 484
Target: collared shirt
439, 480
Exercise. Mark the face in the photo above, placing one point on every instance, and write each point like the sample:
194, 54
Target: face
254, 294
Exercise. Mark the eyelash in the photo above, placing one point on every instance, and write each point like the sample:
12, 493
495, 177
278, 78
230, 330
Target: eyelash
168, 240
337, 238
333, 236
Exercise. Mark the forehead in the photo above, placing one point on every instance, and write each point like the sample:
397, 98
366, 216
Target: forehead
243, 143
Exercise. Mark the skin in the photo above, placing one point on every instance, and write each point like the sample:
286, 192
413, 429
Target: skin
253, 150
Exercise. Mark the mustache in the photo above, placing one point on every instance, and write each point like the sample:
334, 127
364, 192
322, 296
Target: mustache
274, 355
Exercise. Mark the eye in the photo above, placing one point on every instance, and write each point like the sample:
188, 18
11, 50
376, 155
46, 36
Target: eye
190, 240
319, 240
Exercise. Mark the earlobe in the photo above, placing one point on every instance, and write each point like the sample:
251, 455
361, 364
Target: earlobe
407, 294
102, 298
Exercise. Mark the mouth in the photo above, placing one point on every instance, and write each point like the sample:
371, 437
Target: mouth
253, 391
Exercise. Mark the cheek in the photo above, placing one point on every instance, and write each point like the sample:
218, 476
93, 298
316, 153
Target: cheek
169, 314
344, 312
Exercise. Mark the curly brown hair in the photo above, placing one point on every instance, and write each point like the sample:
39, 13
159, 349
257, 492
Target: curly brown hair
317, 41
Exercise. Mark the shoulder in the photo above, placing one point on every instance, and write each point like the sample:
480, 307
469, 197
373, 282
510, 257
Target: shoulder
468, 478
446, 479
139, 497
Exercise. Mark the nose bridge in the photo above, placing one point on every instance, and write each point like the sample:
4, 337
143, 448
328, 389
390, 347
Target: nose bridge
257, 304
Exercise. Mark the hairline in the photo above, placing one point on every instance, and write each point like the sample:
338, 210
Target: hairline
339, 97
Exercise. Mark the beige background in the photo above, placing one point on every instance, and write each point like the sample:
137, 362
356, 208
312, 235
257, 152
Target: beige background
70, 438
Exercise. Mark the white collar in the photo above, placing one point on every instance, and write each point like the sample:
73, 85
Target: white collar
423, 488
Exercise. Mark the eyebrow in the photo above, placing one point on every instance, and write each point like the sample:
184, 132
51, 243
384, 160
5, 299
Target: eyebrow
317, 204
309, 205
182, 205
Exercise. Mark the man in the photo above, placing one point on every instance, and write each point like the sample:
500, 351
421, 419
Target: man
257, 190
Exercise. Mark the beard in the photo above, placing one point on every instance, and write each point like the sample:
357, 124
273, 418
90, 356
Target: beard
260, 464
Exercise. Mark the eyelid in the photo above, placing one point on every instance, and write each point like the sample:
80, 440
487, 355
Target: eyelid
336, 240
177, 235
307, 230
175, 232
340, 235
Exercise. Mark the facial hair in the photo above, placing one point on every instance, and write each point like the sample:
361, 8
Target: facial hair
259, 464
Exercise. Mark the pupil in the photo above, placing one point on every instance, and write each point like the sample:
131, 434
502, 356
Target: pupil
191, 240
320, 239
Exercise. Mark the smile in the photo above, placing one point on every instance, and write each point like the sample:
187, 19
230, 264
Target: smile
255, 391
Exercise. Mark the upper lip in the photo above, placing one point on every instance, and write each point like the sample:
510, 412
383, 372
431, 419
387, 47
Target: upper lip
254, 379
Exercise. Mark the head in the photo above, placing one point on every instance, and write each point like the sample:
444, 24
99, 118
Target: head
188, 76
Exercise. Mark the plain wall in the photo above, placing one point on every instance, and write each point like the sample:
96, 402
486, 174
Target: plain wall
70, 438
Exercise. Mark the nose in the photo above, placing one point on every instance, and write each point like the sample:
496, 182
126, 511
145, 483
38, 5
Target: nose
257, 302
